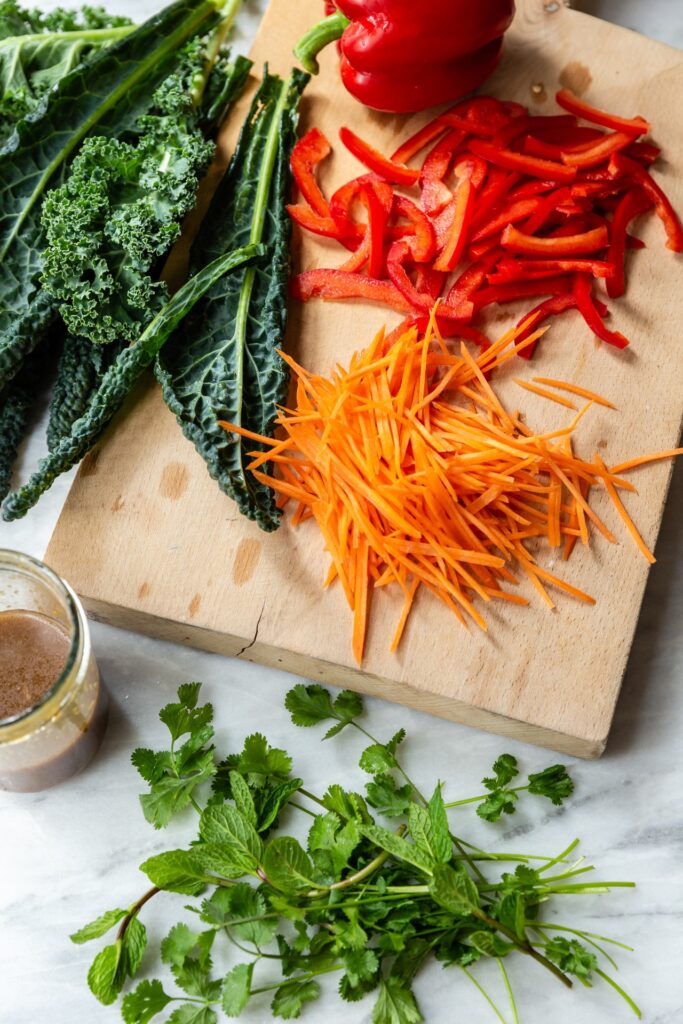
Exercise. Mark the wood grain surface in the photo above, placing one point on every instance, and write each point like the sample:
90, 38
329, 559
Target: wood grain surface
150, 543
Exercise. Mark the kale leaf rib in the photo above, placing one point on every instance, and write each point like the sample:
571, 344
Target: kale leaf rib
120, 378
223, 363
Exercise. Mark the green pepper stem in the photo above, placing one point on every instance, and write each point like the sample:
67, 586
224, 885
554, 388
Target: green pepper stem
317, 38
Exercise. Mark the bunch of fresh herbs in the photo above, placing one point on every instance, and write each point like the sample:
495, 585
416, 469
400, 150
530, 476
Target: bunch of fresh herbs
367, 900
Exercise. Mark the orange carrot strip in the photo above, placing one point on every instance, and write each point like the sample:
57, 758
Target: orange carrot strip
574, 389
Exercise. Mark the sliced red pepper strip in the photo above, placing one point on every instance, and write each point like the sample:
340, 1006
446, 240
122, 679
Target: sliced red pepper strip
308, 152
325, 226
633, 125
472, 278
479, 250
452, 328
430, 281
336, 284
571, 245
598, 153
398, 256
521, 125
646, 152
553, 306
620, 164
519, 290
423, 241
463, 210
417, 142
498, 185
582, 289
597, 189
378, 215
633, 242
546, 207
630, 206
509, 270
548, 170
342, 202
552, 144
529, 189
399, 174
434, 193
511, 213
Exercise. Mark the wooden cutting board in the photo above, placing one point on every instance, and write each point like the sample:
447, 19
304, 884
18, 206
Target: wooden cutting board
150, 543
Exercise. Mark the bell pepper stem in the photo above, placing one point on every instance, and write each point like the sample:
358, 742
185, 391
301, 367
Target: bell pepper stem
317, 38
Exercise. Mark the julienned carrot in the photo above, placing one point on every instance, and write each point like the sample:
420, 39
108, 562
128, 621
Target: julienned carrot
419, 477
544, 393
574, 389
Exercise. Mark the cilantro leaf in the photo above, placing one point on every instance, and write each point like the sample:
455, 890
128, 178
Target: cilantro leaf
240, 901
332, 844
259, 761
360, 965
309, 705
396, 1004
188, 953
184, 716
144, 1002
346, 804
387, 797
289, 999
236, 989
500, 801
572, 958
505, 769
98, 927
553, 782
193, 1013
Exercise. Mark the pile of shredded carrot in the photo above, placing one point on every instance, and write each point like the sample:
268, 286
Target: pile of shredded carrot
418, 476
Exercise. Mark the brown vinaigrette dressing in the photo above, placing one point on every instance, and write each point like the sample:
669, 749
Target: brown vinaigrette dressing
34, 649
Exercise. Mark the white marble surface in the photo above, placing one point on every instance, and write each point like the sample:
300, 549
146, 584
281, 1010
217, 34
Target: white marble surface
67, 854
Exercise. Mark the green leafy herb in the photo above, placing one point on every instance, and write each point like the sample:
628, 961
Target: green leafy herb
553, 783
369, 901
223, 363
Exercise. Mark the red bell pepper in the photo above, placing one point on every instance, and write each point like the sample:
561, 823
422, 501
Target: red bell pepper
306, 155
472, 278
547, 206
548, 170
423, 241
430, 281
463, 208
503, 293
571, 245
520, 125
336, 284
582, 289
434, 193
399, 174
599, 153
509, 270
532, 320
343, 200
634, 126
511, 213
371, 250
646, 152
417, 142
349, 235
400, 57
620, 164
630, 206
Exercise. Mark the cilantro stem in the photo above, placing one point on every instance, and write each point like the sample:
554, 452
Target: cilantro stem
575, 931
308, 976
134, 910
483, 796
313, 797
485, 994
617, 988
508, 988
369, 869
561, 857
300, 807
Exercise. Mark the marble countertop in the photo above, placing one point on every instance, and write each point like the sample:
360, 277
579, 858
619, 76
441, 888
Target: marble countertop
69, 853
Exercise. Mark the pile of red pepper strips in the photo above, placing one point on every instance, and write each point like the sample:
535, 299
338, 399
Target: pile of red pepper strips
540, 207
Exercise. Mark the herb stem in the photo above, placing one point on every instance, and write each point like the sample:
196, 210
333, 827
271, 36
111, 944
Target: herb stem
300, 807
299, 978
368, 870
617, 988
508, 989
134, 910
485, 994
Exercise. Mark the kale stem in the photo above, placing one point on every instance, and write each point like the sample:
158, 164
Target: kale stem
134, 910
485, 994
220, 33
508, 988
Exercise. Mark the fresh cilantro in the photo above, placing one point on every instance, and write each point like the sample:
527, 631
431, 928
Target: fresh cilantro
370, 900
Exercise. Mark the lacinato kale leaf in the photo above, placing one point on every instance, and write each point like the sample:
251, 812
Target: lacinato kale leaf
223, 363
15, 406
105, 90
38, 50
120, 378
80, 369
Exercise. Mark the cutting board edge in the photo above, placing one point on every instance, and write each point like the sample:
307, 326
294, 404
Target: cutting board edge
319, 670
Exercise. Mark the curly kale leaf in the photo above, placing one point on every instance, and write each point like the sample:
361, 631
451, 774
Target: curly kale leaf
37, 50
120, 378
103, 93
223, 364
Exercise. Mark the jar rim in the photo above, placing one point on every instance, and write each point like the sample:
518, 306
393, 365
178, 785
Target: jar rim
18, 561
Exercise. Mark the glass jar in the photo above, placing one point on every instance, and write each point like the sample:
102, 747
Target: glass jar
60, 730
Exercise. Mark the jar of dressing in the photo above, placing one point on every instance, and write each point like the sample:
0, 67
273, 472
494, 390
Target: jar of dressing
53, 706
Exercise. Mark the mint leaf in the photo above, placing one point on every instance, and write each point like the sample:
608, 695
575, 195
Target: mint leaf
386, 797
553, 783
176, 871
429, 828
453, 889
148, 999
99, 926
241, 794
287, 866
278, 797
236, 989
511, 911
395, 1005
225, 826
134, 943
398, 847
289, 999
107, 973
490, 943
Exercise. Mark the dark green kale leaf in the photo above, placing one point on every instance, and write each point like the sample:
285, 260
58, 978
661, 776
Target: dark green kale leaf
37, 50
118, 380
223, 363
15, 406
103, 91
80, 369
